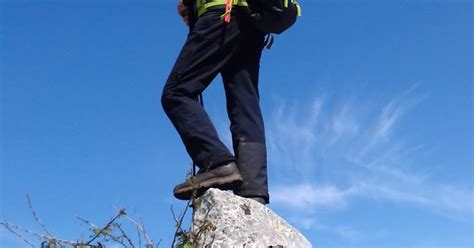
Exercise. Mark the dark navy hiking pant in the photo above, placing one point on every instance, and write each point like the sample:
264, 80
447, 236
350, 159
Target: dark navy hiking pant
233, 50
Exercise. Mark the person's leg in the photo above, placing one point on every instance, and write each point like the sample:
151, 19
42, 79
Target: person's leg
240, 76
209, 46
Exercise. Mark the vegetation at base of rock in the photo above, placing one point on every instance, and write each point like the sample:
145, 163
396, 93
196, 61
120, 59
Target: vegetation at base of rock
188, 238
113, 232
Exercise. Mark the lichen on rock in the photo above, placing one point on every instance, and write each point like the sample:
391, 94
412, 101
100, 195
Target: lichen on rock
224, 220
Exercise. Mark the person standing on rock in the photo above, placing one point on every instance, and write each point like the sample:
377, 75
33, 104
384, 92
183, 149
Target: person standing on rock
222, 40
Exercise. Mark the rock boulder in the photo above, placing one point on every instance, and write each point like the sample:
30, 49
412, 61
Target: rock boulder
224, 220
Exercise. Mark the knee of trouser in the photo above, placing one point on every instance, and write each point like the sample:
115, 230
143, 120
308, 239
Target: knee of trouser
167, 98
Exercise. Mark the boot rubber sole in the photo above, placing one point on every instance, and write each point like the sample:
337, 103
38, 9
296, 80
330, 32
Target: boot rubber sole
223, 183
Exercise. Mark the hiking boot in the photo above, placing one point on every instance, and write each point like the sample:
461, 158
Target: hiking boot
224, 177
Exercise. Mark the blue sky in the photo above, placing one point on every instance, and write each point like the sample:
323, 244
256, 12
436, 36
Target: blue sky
368, 109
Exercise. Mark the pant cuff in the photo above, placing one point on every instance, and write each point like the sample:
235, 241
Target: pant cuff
254, 193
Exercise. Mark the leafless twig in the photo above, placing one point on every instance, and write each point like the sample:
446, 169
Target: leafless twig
120, 213
139, 234
140, 227
40, 236
179, 221
119, 227
204, 227
95, 227
36, 216
112, 231
87, 222
7, 226
145, 234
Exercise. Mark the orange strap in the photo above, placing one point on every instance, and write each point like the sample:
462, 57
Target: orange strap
228, 9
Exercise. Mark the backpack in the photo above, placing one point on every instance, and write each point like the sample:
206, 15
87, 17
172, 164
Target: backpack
274, 16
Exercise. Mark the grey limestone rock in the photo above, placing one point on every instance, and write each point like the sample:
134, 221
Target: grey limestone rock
224, 220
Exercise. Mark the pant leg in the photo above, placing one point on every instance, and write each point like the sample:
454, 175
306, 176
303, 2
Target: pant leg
240, 76
210, 44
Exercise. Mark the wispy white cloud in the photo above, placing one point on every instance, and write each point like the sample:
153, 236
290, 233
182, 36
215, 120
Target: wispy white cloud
307, 196
349, 233
292, 138
343, 123
346, 233
387, 119
304, 222
331, 151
